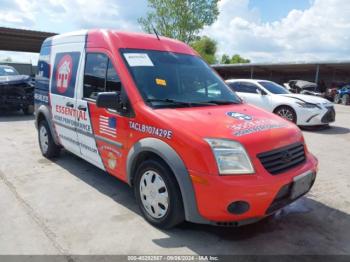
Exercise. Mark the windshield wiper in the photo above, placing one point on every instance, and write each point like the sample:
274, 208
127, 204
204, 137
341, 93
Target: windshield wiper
222, 102
176, 102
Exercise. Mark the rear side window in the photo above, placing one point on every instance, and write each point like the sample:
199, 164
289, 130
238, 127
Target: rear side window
234, 86
247, 88
243, 87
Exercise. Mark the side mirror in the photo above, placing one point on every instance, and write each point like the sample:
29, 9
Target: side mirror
109, 100
260, 92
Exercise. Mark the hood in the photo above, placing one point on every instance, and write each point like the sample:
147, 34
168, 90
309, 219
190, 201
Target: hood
15, 79
244, 123
304, 84
307, 98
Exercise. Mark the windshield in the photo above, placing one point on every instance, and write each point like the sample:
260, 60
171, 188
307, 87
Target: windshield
7, 71
167, 79
273, 87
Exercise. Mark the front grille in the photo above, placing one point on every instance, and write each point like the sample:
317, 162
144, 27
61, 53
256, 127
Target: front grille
329, 116
280, 160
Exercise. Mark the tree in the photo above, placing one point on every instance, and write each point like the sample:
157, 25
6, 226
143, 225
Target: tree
206, 47
225, 59
179, 19
235, 59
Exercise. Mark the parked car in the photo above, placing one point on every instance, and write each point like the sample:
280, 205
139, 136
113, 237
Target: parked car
150, 111
303, 87
16, 91
332, 90
343, 95
304, 110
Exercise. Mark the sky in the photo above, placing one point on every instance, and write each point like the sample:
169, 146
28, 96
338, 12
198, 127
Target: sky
260, 30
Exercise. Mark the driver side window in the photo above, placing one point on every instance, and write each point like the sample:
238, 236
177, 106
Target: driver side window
100, 76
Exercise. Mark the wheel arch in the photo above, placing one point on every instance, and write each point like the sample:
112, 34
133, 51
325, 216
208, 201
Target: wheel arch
286, 105
43, 113
152, 147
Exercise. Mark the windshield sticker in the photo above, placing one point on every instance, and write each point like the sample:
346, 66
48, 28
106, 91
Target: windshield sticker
9, 70
239, 116
255, 126
163, 133
138, 59
160, 82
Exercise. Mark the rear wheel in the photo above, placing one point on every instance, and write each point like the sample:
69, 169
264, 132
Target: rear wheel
337, 99
48, 147
158, 195
287, 113
345, 99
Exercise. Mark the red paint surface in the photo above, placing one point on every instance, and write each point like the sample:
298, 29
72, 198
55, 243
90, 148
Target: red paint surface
189, 127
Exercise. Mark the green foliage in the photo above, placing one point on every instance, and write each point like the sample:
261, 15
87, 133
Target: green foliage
225, 59
206, 48
179, 19
235, 59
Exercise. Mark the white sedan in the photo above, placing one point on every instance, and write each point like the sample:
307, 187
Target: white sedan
304, 110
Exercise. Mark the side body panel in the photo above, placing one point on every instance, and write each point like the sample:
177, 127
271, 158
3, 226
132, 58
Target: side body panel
65, 61
110, 128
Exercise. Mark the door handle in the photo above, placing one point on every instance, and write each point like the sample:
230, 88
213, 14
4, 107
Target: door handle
82, 108
70, 104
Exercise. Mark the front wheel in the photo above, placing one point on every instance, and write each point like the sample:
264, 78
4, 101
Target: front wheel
158, 195
287, 113
47, 145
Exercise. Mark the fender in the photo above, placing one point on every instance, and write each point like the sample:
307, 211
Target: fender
45, 111
173, 160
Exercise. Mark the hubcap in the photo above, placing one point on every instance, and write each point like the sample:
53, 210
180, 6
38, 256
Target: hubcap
286, 114
154, 194
44, 139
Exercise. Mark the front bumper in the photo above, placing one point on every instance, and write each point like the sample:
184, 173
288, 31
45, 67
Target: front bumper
312, 117
15, 103
261, 191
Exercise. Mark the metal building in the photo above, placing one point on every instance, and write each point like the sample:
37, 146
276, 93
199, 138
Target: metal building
329, 71
12, 39
21, 40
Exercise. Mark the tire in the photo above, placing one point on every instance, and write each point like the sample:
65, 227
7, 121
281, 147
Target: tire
158, 195
345, 99
287, 113
337, 99
47, 145
28, 110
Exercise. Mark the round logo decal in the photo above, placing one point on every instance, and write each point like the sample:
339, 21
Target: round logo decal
64, 73
239, 116
112, 160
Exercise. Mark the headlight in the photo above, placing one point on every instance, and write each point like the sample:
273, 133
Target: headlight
308, 105
230, 156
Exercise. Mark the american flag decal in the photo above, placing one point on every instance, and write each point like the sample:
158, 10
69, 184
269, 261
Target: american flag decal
108, 126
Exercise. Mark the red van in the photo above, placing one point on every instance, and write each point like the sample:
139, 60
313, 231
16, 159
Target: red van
151, 112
